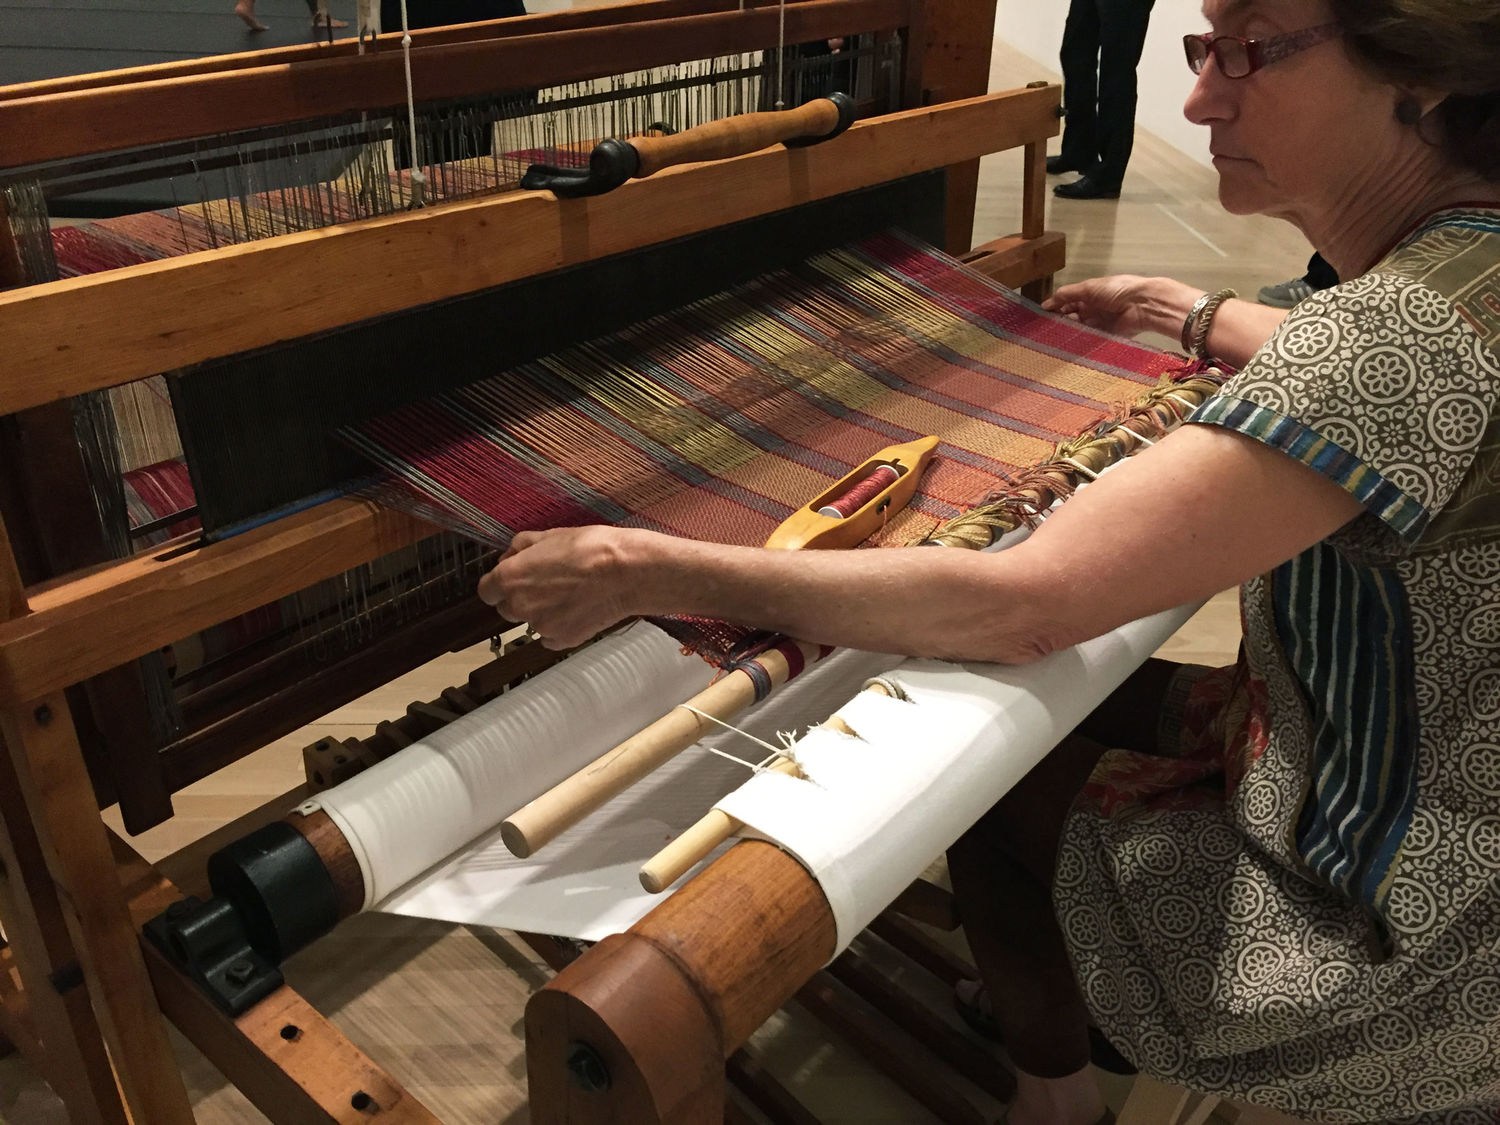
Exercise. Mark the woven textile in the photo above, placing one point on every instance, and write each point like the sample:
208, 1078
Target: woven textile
719, 420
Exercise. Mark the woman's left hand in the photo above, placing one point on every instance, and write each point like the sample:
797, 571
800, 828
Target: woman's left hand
569, 584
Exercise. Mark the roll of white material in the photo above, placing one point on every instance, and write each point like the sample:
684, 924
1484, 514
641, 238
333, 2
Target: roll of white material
872, 812
417, 807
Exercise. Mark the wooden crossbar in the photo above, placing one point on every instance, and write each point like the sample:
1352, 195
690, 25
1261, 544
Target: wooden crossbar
621, 11
101, 330
80, 122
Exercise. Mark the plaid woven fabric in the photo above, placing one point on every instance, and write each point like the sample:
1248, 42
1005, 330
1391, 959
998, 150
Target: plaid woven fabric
719, 420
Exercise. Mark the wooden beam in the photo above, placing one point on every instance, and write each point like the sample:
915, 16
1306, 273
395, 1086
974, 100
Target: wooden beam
1016, 261
291, 1063
104, 329
59, 806
105, 119
622, 11
92, 622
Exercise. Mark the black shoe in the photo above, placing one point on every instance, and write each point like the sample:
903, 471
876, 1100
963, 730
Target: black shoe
1058, 165
1086, 187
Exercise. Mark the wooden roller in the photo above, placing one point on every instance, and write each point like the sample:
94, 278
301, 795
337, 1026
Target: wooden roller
613, 162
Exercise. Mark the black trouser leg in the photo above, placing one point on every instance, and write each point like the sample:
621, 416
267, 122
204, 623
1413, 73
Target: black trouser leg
1080, 69
1320, 275
1122, 33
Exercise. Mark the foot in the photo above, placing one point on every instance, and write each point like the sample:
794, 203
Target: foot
1059, 165
1287, 294
1086, 187
323, 19
245, 9
1071, 1100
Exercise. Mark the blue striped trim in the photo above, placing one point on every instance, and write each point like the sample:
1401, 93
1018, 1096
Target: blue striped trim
1395, 508
1346, 633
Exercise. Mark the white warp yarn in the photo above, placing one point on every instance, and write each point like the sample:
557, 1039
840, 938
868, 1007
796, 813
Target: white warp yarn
874, 811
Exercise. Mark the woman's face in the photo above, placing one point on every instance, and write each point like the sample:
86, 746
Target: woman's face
1301, 135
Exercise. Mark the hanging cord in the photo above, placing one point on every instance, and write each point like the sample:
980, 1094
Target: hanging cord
418, 177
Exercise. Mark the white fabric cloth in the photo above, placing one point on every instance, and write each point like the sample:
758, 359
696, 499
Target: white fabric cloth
874, 811
420, 806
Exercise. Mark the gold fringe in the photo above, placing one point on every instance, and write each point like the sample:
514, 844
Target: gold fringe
1078, 460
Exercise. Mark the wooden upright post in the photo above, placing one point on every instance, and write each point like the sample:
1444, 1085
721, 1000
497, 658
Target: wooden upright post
57, 804
82, 976
48, 1017
953, 62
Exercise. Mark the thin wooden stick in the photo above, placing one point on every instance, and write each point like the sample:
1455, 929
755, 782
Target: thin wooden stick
698, 842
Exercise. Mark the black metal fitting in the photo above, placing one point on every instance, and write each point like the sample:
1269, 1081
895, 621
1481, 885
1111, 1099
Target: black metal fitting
280, 888
66, 978
586, 1068
207, 941
848, 111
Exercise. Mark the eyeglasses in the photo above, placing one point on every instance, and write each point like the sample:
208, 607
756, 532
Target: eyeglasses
1240, 58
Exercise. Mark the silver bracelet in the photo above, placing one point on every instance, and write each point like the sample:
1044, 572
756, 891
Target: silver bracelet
1200, 319
1192, 320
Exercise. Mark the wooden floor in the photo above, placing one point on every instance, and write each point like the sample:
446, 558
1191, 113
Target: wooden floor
427, 999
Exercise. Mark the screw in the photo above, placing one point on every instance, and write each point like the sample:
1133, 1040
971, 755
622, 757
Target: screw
240, 972
587, 1069
42, 715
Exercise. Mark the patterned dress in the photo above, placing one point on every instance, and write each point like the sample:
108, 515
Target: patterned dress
1298, 904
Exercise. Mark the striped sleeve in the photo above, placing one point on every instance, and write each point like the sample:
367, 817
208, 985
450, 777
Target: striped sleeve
1380, 497
1380, 385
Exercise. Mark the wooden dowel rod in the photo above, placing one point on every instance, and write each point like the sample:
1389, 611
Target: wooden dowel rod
698, 842
535, 825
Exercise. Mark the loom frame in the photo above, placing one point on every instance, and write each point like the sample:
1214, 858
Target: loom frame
80, 993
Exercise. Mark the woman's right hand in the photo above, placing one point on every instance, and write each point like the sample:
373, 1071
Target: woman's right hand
1125, 304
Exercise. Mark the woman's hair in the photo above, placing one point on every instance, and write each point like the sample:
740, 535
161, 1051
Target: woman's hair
1451, 45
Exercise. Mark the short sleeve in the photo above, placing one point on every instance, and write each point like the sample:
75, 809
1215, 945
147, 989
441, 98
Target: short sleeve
1379, 384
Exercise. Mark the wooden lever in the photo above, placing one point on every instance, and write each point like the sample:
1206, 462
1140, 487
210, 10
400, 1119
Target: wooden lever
734, 136
614, 161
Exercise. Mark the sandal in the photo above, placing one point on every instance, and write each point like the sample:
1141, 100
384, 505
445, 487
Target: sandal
973, 1005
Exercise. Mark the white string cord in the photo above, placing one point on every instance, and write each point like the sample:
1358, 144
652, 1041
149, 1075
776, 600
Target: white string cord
785, 750
418, 177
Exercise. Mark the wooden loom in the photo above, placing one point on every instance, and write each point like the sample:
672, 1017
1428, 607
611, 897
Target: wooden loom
81, 994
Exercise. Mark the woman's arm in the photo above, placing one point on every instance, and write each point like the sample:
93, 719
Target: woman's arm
1130, 305
1199, 512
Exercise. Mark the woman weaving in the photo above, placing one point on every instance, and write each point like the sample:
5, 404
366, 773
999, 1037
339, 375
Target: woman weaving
1282, 884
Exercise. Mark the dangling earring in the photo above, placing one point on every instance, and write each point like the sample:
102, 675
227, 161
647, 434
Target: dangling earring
1409, 110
